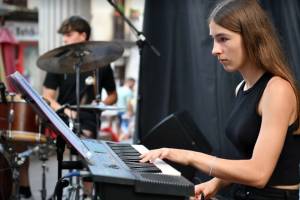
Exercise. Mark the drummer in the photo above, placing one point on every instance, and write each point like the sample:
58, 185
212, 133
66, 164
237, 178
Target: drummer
63, 86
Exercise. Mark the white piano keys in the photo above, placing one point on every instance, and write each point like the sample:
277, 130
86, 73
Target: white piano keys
159, 163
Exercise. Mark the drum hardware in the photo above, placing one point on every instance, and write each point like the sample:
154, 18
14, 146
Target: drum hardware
19, 123
11, 114
17, 115
3, 92
98, 107
94, 55
21, 157
5, 174
11, 165
43, 156
22, 136
76, 58
18, 159
10, 118
80, 57
44, 151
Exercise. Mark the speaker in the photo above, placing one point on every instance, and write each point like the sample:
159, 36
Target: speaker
178, 130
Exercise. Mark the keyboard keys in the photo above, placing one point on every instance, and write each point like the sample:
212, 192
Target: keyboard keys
130, 157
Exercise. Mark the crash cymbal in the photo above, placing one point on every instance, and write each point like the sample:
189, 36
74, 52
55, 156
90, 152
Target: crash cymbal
95, 54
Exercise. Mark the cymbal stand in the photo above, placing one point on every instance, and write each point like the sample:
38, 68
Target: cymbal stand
77, 71
60, 143
98, 100
80, 53
43, 156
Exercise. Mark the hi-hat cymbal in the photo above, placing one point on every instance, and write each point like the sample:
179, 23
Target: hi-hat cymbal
94, 55
96, 107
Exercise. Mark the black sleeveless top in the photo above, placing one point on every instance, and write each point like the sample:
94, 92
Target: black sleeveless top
243, 128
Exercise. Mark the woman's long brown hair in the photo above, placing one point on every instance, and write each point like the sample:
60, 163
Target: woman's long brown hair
247, 18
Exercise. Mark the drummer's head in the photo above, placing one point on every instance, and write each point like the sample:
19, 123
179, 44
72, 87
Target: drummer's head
75, 29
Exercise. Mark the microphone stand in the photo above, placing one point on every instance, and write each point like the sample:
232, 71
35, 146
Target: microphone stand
141, 42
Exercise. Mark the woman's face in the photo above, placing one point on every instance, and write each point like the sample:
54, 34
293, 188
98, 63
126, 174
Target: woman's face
228, 47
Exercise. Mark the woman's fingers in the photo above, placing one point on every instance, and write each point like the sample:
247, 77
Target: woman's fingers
153, 154
200, 191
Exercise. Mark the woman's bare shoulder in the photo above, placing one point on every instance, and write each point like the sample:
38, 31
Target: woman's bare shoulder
279, 86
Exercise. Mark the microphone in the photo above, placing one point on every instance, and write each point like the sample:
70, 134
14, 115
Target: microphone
77, 174
90, 80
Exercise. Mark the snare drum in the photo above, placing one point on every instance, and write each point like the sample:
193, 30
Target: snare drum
18, 118
6, 179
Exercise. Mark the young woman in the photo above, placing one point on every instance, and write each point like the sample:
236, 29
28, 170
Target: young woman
263, 124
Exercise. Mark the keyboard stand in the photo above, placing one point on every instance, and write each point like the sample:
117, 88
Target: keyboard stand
109, 191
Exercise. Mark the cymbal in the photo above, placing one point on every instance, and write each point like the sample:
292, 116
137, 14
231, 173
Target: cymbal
94, 54
96, 108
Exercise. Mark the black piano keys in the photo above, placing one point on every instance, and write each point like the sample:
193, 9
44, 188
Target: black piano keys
130, 157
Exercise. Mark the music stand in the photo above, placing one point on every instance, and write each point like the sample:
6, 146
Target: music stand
50, 117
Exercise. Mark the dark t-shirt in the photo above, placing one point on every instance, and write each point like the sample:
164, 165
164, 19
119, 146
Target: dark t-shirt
66, 85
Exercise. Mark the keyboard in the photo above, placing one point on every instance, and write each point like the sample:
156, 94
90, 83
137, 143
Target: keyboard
117, 172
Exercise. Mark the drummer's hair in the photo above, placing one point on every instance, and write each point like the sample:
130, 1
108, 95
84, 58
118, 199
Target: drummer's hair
75, 23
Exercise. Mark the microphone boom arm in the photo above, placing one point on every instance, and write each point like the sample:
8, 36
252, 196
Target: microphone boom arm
142, 38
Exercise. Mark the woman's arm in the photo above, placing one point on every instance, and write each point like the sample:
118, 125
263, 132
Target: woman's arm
209, 188
278, 109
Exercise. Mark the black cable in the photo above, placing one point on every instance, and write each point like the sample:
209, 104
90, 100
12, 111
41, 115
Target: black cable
60, 184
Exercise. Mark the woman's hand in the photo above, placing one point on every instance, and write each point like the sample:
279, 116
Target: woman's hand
150, 156
208, 189
175, 155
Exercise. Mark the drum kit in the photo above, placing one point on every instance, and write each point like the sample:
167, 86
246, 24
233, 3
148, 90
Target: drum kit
20, 129
20, 125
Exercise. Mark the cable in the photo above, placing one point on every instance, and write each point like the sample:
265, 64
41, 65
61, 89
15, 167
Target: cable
63, 182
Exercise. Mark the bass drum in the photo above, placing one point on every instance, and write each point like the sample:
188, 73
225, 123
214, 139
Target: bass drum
5, 176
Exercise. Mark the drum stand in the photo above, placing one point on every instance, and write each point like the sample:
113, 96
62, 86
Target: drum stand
43, 156
15, 172
16, 162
